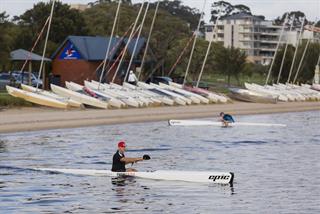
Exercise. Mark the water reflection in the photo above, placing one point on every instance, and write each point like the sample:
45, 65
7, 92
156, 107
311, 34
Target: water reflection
3, 146
255, 155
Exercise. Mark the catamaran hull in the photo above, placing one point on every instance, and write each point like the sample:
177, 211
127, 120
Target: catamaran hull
71, 103
168, 175
79, 97
36, 98
249, 96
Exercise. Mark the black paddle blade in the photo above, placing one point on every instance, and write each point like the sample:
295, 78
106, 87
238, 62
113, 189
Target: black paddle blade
146, 157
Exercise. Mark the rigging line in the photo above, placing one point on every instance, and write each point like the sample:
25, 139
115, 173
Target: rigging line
194, 43
148, 41
45, 44
122, 53
181, 54
35, 44
114, 48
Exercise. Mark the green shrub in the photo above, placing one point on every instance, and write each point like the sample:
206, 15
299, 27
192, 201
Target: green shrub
8, 100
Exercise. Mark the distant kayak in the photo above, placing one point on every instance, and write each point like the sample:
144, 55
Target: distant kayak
214, 123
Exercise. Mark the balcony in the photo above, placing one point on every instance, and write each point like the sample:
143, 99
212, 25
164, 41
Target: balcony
265, 48
270, 33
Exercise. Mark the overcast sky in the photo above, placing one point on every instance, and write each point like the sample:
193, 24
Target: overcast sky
269, 8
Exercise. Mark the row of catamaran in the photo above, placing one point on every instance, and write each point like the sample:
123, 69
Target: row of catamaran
112, 95
284, 92
103, 95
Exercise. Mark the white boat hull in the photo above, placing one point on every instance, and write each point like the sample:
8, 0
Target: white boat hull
104, 89
79, 97
172, 96
187, 176
36, 98
71, 103
156, 97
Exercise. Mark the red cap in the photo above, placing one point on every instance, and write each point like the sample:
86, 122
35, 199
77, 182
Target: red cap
121, 144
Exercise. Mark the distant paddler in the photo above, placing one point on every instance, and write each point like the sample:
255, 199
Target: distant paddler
119, 160
226, 119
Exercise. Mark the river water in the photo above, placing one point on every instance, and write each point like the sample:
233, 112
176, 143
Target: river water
277, 170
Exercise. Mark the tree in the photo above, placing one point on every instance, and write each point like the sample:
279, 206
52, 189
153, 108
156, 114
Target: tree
196, 61
309, 62
177, 9
297, 20
65, 22
230, 61
286, 64
6, 40
225, 9
168, 29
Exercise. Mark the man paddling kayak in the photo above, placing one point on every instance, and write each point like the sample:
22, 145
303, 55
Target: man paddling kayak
119, 160
226, 118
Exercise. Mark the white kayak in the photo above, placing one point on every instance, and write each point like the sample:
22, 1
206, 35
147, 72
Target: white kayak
187, 176
213, 123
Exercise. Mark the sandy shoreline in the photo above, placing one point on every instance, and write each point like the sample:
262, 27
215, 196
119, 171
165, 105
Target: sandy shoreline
38, 118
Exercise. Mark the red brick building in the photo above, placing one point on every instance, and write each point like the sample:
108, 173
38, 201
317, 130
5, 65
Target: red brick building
78, 57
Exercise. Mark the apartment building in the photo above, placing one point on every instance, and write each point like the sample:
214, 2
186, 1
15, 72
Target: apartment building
252, 34
80, 7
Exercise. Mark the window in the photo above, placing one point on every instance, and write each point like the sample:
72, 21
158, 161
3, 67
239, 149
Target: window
232, 35
209, 29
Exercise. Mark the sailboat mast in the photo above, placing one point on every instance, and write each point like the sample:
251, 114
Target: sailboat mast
110, 41
148, 41
45, 44
128, 42
137, 40
285, 51
208, 51
277, 48
296, 51
194, 43
304, 53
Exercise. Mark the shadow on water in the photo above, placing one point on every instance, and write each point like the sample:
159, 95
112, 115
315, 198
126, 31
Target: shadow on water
3, 146
248, 142
148, 150
10, 170
122, 180
212, 141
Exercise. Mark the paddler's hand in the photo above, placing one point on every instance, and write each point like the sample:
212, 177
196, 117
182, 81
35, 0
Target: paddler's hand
146, 157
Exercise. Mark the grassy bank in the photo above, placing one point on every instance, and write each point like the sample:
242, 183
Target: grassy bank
8, 100
219, 82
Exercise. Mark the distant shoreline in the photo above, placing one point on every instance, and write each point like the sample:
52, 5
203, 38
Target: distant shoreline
40, 118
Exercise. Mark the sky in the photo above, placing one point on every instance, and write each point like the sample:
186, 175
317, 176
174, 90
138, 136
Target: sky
271, 9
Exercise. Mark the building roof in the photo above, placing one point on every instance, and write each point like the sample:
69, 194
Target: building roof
22, 55
238, 16
94, 48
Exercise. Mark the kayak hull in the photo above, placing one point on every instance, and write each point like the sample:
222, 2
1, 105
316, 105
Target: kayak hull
168, 175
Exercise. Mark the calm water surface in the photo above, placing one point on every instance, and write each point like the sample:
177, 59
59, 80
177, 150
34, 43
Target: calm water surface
277, 170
